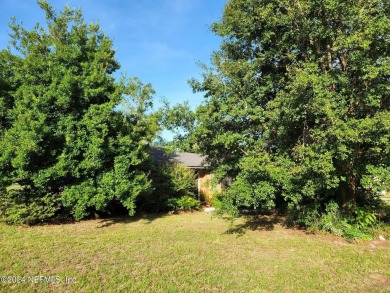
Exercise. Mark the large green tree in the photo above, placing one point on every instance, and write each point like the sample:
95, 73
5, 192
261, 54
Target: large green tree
297, 100
62, 137
181, 121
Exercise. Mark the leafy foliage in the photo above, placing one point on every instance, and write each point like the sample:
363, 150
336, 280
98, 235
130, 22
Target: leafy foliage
19, 206
297, 102
171, 182
355, 223
225, 204
61, 136
182, 121
364, 218
185, 203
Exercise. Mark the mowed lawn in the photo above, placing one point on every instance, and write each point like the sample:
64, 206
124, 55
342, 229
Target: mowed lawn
191, 252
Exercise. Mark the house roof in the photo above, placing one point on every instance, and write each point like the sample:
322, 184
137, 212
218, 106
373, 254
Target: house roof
191, 160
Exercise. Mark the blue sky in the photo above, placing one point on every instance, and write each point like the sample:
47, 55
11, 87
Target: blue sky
159, 41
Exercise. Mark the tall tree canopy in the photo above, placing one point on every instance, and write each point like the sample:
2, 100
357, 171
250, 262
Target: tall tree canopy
297, 100
61, 137
182, 122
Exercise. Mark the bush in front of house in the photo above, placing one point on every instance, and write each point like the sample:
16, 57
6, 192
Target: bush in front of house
174, 188
185, 203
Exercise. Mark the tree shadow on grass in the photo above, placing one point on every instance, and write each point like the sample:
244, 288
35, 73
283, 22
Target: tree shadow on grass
255, 223
146, 218
105, 221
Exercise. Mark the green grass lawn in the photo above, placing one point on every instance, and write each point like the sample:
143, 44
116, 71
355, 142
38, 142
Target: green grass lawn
189, 253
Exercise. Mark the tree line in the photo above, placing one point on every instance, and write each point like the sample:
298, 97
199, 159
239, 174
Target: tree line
296, 110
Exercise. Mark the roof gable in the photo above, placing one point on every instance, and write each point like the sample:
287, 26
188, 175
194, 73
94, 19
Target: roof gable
191, 160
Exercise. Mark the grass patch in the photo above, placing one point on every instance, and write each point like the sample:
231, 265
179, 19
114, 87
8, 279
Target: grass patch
189, 253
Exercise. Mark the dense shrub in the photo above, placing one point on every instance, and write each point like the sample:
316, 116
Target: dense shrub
21, 206
353, 223
171, 182
224, 204
184, 203
61, 135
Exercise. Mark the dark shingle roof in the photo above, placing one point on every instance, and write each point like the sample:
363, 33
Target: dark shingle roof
191, 160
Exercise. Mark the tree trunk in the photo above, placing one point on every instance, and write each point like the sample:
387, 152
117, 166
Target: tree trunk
347, 193
347, 188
